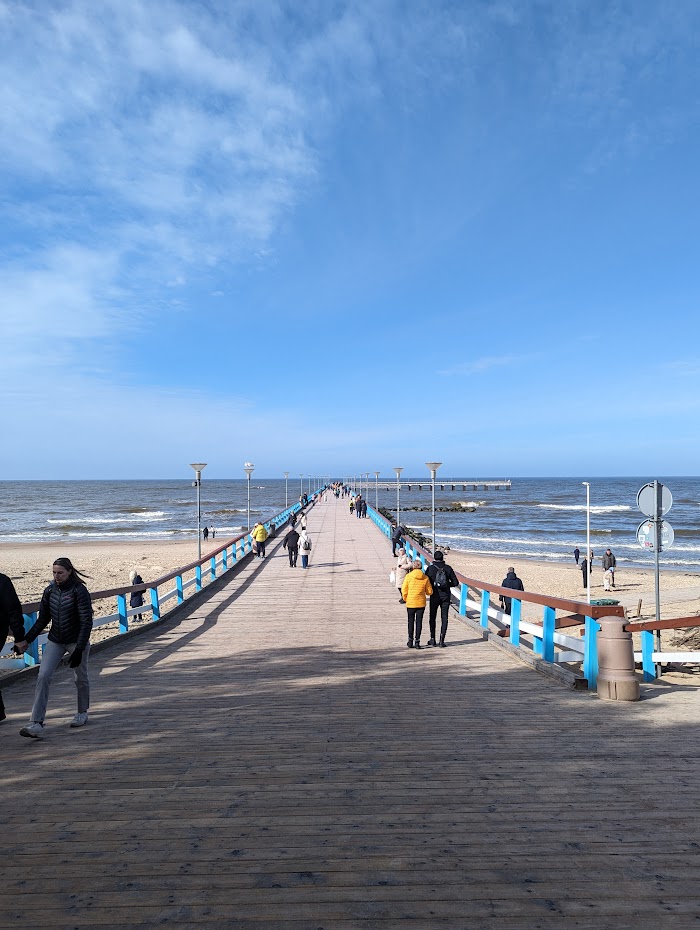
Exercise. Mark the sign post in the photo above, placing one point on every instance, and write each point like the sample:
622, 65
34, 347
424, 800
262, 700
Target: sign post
655, 500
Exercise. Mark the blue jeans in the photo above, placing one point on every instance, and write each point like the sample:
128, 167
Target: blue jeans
304, 560
50, 660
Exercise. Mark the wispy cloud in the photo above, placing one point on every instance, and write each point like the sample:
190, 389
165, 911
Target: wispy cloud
484, 364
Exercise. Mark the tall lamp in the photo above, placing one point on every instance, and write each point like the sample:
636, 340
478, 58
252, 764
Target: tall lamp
286, 490
433, 466
248, 468
398, 470
198, 469
301, 484
376, 491
588, 538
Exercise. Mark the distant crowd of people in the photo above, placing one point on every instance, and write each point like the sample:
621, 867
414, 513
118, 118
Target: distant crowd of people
609, 564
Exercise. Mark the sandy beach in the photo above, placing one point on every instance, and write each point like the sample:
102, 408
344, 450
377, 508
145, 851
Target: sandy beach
108, 564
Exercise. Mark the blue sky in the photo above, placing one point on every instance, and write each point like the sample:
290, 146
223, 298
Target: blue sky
337, 237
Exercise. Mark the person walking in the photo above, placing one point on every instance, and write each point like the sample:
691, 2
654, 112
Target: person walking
136, 597
403, 567
304, 548
577, 554
510, 581
11, 619
358, 506
205, 533
584, 570
66, 605
442, 578
291, 544
609, 565
259, 535
415, 589
352, 506
364, 509
396, 533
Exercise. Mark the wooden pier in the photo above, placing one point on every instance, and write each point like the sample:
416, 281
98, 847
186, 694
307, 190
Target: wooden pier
275, 757
447, 484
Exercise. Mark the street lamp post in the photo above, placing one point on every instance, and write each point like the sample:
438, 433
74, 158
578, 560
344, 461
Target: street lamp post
198, 469
301, 484
433, 466
398, 470
376, 491
286, 490
588, 539
248, 468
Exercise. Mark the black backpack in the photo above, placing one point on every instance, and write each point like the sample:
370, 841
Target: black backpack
441, 580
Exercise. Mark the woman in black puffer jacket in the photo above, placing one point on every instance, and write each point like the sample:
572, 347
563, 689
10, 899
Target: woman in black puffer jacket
67, 606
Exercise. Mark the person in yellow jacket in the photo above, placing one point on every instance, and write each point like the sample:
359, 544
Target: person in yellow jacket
415, 590
259, 534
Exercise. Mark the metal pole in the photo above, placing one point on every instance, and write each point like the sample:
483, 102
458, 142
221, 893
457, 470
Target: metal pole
433, 489
658, 488
199, 517
588, 539
286, 490
376, 491
248, 503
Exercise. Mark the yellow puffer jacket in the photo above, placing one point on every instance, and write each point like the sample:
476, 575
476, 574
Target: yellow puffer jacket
259, 533
416, 586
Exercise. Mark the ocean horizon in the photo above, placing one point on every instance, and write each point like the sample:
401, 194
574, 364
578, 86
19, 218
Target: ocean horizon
539, 518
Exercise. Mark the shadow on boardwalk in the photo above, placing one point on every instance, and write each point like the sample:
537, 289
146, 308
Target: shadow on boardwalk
287, 762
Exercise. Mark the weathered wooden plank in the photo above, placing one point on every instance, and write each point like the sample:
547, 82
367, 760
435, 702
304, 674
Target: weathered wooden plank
276, 757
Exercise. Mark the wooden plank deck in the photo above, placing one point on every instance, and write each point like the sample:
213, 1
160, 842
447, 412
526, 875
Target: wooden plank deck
279, 758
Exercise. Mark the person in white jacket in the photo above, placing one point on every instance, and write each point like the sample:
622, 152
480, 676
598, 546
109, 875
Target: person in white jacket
304, 548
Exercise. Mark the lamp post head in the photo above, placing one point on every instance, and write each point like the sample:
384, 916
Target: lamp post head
398, 470
249, 468
377, 474
286, 474
433, 466
198, 466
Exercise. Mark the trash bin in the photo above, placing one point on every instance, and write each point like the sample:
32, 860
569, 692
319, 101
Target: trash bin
616, 678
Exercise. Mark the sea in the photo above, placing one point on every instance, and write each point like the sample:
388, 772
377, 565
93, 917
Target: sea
539, 518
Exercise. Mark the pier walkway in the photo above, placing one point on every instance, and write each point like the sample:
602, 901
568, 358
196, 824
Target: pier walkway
274, 756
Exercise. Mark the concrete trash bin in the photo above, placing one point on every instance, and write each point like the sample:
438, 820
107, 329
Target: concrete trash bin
616, 678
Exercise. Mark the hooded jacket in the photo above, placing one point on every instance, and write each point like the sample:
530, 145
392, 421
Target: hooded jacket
259, 533
442, 593
291, 540
416, 586
609, 561
512, 581
68, 608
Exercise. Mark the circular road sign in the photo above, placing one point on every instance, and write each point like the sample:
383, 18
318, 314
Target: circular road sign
646, 500
645, 535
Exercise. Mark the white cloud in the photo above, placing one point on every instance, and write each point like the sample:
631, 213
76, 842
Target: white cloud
483, 364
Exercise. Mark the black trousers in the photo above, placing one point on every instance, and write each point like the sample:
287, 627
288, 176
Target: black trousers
444, 606
260, 548
293, 554
415, 619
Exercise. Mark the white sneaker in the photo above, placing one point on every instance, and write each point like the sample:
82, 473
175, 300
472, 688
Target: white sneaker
79, 720
33, 729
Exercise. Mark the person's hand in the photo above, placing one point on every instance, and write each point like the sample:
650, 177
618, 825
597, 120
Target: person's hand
76, 658
21, 647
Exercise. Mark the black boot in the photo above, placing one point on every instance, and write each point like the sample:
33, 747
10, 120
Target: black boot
442, 641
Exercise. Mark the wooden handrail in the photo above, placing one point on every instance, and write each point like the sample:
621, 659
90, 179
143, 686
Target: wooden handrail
558, 603
33, 606
679, 623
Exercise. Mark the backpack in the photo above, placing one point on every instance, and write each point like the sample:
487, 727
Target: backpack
441, 578
306, 545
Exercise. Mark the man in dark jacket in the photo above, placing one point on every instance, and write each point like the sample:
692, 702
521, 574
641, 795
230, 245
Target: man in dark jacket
510, 581
291, 544
396, 533
10, 619
442, 578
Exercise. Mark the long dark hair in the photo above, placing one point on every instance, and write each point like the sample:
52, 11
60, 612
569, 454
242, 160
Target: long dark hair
77, 576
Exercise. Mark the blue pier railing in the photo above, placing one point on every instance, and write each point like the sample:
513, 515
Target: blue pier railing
188, 580
544, 641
